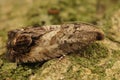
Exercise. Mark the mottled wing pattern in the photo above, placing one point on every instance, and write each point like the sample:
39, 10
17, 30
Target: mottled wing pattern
73, 37
22, 42
47, 42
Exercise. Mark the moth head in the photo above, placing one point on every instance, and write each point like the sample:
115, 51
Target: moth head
18, 43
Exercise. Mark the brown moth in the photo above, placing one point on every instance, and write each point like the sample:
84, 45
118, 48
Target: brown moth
36, 44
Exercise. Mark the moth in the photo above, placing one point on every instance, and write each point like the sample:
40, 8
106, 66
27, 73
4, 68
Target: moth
37, 44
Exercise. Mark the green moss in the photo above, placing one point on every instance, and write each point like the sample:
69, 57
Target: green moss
94, 53
3, 34
91, 57
16, 72
1, 62
116, 54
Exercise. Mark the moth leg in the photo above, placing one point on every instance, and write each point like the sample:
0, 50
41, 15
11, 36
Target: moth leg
62, 57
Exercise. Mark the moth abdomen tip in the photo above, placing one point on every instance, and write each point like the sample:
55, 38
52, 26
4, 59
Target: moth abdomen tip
100, 36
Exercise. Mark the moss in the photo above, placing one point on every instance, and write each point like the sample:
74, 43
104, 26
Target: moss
92, 54
91, 57
3, 34
116, 53
16, 72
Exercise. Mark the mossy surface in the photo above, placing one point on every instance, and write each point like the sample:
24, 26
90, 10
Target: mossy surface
99, 61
